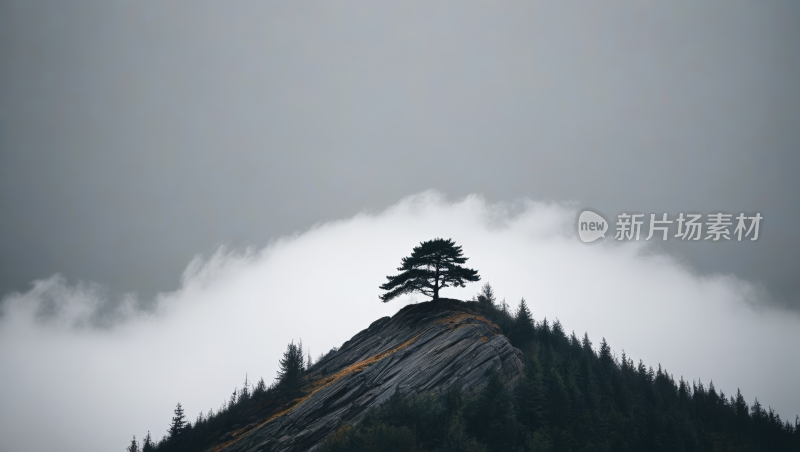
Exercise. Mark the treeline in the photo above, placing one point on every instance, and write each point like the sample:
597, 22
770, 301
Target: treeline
570, 398
251, 403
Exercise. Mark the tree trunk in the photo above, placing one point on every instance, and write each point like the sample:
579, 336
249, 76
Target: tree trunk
436, 284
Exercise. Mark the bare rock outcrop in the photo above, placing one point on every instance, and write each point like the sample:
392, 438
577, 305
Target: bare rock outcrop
424, 347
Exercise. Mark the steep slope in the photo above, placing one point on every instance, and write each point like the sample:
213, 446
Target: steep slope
424, 347
567, 396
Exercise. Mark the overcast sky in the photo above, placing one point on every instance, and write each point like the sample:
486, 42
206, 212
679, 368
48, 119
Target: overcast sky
135, 136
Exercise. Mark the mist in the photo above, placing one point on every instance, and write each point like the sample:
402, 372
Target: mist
91, 368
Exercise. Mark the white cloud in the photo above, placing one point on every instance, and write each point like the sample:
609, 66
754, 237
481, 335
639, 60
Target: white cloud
63, 381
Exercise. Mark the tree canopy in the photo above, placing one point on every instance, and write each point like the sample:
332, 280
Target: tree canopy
292, 366
433, 265
486, 297
178, 422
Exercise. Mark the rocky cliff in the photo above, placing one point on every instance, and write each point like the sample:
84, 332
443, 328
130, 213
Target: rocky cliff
424, 347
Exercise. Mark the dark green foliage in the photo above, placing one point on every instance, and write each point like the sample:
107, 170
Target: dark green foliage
242, 407
605, 352
486, 297
491, 416
569, 398
428, 422
433, 265
260, 388
530, 396
292, 367
147, 443
245, 392
178, 422
575, 398
372, 437
134, 446
523, 330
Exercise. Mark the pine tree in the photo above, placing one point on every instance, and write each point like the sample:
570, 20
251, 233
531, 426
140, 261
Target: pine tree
178, 422
486, 296
134, 446
261, 387
530, 396
523, 324
493, 419
742, 414
232, 400
432, 266
147, 443
558, 330
573, 341
559, 403
605, 352
244, 394
544, 328
587, 344
292, 366
683, 392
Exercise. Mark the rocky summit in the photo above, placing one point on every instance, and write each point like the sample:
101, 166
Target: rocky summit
425, 347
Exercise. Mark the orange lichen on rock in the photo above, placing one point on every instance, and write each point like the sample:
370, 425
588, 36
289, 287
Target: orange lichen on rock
457, 320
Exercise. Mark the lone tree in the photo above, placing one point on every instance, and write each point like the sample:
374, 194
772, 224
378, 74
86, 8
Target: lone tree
433, 265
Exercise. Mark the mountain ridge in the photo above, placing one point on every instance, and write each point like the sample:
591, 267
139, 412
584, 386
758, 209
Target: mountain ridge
424, 347
450, 375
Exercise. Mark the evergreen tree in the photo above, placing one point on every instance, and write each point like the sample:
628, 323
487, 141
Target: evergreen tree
486, 296
544, 328
741, 409
504, 308
292, 366
523, 324
529, 396
261, 387
178, 422
492, 415
244, 394
232, 400
134, 446
605, 352
683, 392
559, 403
432, 266
573, 341
558, 330
147, 443
587, 344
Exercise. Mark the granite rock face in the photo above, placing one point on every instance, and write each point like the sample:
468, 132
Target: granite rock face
424, 347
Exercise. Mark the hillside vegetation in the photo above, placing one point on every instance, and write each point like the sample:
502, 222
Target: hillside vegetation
570, 396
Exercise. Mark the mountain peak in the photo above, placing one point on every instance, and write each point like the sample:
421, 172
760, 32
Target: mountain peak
425, 347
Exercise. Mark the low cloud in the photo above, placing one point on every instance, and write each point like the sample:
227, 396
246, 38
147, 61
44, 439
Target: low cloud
81, 367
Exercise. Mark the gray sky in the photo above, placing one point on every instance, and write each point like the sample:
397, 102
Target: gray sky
134, 135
